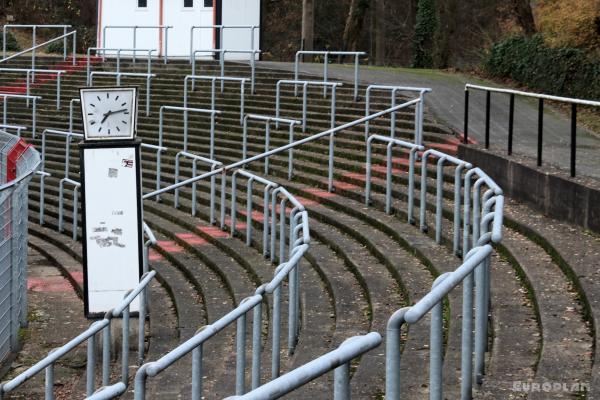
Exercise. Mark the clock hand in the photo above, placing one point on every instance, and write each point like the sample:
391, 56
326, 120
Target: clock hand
106, 115
119, 111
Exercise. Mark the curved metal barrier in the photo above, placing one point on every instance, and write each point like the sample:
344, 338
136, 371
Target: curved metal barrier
89, 336
18, 163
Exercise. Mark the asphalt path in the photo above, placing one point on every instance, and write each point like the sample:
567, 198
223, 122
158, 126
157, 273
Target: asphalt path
446, 103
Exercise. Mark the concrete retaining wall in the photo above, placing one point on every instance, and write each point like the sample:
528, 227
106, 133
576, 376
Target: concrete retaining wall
553, 194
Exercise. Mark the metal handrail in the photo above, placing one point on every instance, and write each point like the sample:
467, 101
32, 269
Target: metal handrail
221, 29
33, 35
222, 53
338, 360
540, 137
6, 96
164, 28
30, 74
118, 76
283, 148
32, 49
305, 85
460, 166
394, 90
267, 120
326, 54
118, 50
413, 148
88, 335
17, 128
213, 80
432, 301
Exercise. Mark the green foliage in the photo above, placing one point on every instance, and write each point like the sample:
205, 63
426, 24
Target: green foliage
425, 28
11, 42
55, 47
563, 71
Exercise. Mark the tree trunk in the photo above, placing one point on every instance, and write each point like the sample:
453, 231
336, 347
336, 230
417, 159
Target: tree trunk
354, 23
524, 16
379, 32
308, 24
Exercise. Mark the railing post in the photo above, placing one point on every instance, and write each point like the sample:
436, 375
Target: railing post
540, 131
356, 72
488, 95
65, 43
241, 355
436, 347
341, 383
466, 129
325, 68
393, 354
90, 365
197, 373
49, 384
511, 119
33, 53
573, 137
256, 338
134, 42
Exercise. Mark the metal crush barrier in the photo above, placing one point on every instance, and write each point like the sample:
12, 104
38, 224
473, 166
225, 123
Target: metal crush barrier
118, 51
326, 54
6, 96
286, 238
18, 163
29, 79
118, 76
89, 336
134, 29
337, 360
213, 80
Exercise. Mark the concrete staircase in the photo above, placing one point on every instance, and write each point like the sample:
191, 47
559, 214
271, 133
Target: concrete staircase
362, 264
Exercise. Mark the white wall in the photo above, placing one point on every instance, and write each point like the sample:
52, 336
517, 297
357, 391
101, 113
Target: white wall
240, 12
126, 12
182, 19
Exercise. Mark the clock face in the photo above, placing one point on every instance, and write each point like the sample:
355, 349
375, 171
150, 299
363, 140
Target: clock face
109, 113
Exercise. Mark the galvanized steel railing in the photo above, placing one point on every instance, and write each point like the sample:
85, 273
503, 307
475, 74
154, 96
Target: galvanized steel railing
268, 120
305, 85
118, 50
134, 28
30, 78
34, 29
221, 29
326, 54
34, 99
64, 37
337, 360
222, 53
213, 80
118, 76
17, 128
394, 90
89, 336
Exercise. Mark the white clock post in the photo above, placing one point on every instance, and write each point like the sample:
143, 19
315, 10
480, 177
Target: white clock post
111, 198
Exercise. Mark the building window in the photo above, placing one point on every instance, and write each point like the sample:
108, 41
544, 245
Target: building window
142, 3
208, 3
188, 3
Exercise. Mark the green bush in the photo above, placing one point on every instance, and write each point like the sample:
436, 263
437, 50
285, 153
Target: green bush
11, 42
55, 47
563, 71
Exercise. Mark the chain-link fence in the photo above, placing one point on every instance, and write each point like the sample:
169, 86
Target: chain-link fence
18, 162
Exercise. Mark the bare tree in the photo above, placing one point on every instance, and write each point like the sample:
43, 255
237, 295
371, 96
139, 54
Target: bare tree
354, 23
524, 16
308, 24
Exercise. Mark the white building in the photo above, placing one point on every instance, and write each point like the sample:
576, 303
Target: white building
116, 19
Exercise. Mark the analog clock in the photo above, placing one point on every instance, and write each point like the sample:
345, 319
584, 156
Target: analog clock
109, 113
